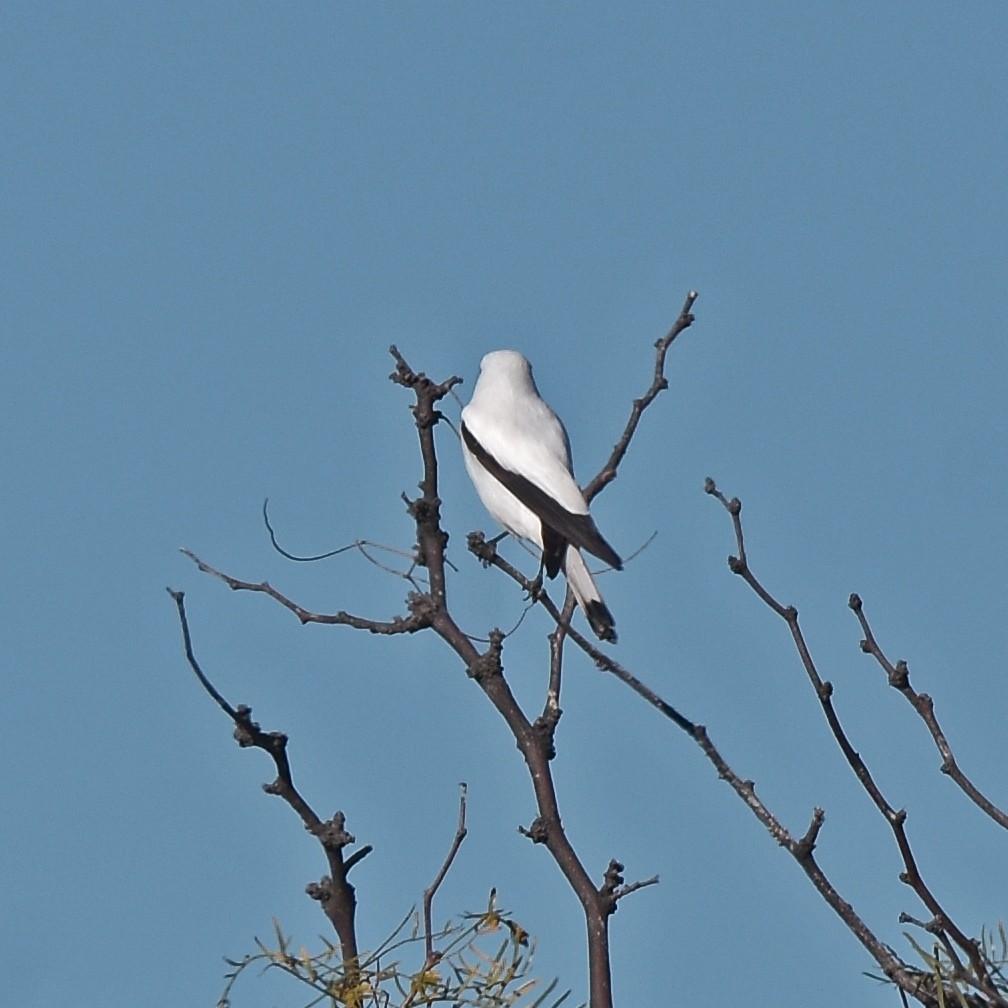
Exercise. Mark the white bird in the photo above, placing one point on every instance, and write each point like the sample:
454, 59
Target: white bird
518, 456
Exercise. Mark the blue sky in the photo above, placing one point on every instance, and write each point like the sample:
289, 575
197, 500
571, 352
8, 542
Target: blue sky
217, 217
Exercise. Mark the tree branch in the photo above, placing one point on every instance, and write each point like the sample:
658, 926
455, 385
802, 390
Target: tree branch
430, 892
417, 619
912, 982
334, 892
824, 691
484, 550
899, 678
431, 611
487, 671
426, 510
658, 384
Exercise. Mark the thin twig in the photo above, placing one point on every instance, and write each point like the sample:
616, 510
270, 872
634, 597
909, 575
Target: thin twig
361, 545
634, 886
898, 676
429, 893
658, 384
179, 598
614, 887
399, 625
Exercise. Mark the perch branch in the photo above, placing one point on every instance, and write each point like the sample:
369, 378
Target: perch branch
483, 549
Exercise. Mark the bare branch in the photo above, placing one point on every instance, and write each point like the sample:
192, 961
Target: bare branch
429, 893
430, 610
548, 720
426, 509
179, 598
483, 549
557, 639
417, 619
801, 849
899, 678
334, 892
658, 384
824, 691
625, 890
487, 671
613, 888
803, 852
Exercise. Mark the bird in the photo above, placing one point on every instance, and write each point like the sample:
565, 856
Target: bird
517, 454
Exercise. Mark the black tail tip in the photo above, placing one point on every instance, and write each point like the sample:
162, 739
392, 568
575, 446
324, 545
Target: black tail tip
601, 621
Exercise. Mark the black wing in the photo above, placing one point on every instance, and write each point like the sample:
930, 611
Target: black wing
559, 526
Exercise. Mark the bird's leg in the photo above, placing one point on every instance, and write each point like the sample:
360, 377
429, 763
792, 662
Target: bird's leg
535, 587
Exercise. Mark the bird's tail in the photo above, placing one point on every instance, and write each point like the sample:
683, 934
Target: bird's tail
588, 596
